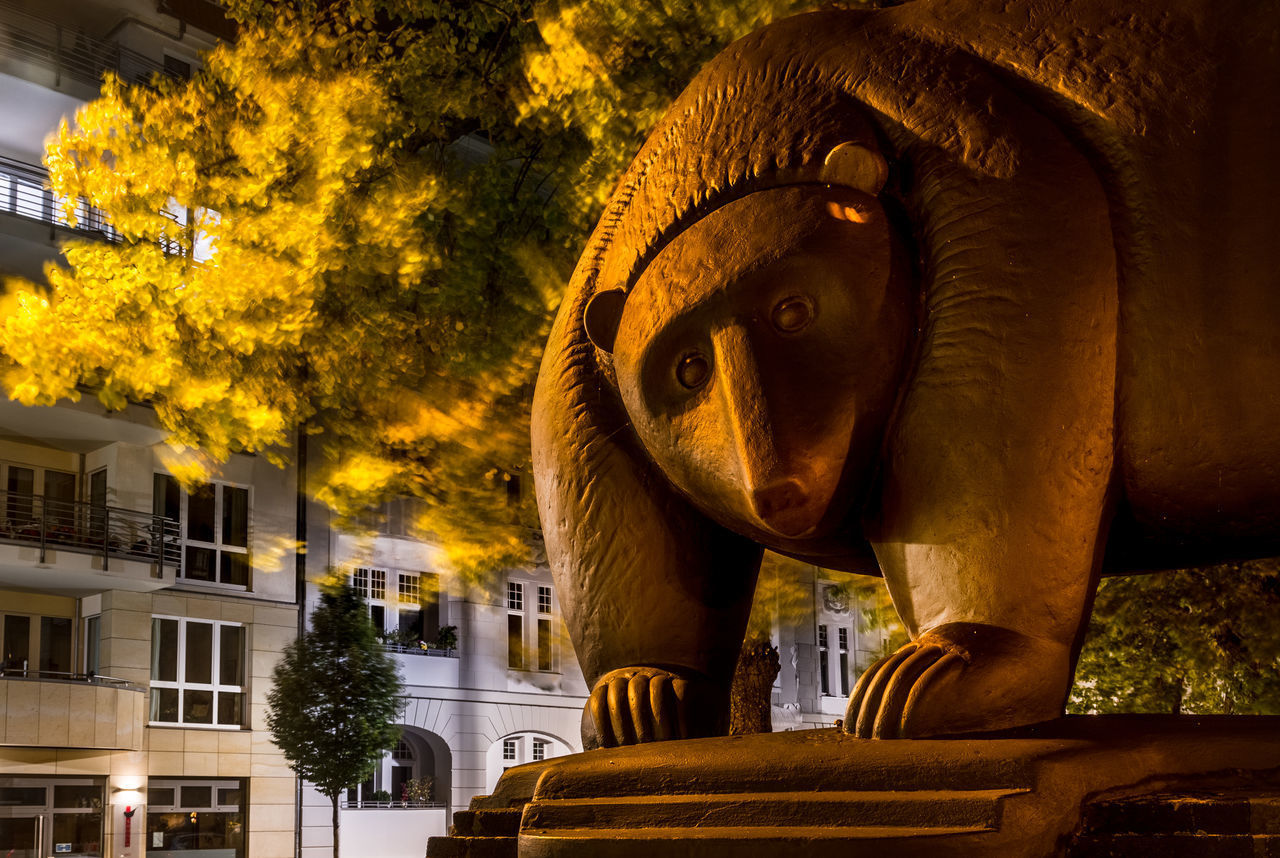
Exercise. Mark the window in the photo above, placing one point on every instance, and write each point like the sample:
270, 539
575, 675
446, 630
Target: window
413, 610
197, 672
837, 612
823, 661
174, 67
198, 817
93, 645
215, 536
844, 661
539, 622
370, 583
55, 645
515, 625
395, 517
19, 501
35, 643
515, 641
46, 816
517, 749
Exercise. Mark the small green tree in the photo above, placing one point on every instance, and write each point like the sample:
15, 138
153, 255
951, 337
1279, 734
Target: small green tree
335, 698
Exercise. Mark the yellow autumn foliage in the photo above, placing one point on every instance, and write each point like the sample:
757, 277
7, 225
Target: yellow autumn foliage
354, 223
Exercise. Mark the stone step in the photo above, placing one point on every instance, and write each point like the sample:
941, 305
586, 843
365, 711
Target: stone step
756, 842
1251, 812
720, 768
1175, 846
482, 822
472, 847
837, 811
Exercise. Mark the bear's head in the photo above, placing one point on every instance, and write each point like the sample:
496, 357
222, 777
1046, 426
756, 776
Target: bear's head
759, 356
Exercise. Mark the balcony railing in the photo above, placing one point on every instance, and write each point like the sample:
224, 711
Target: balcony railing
23, 193
419, 650
21, 672
84, 528
69, 52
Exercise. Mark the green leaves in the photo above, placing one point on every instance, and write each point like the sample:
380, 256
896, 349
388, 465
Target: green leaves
1196, 640
335, 695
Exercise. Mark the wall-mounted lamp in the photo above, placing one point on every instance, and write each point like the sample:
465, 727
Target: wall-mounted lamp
127, 797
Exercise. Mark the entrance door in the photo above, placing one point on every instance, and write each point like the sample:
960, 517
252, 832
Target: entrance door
19, 837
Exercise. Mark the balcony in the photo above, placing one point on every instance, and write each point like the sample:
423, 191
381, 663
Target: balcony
52, 544
429, 667
65, 54
24, 195
62, 710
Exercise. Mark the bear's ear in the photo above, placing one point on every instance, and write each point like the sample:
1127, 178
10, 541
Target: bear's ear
853, 165
602, 316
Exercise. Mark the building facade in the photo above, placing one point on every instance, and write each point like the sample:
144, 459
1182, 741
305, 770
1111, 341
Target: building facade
139, 621
508, 690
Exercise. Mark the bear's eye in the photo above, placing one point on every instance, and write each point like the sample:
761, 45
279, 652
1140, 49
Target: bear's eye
792, 314
693, 370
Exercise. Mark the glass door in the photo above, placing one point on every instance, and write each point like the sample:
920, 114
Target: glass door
19, 837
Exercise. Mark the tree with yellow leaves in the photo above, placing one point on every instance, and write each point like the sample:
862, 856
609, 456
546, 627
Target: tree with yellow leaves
356, 220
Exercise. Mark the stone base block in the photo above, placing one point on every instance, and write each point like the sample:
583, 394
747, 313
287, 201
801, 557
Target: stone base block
1080, 787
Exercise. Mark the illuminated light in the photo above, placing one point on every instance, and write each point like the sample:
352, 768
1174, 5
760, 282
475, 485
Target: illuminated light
128, 781
126, 797
852, 214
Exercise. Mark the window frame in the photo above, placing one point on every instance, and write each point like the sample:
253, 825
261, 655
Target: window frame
217, 546
530, 605
216, 686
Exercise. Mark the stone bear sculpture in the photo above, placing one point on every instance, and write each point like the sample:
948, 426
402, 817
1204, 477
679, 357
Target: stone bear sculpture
980, 296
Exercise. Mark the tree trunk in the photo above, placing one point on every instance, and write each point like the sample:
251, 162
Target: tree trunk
750, 697
334, 797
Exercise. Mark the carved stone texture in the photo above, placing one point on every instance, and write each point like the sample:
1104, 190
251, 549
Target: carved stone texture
980, 296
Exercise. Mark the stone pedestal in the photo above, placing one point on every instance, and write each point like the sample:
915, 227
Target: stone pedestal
1082, 786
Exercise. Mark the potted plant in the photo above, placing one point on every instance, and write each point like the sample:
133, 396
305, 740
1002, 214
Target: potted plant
447, 638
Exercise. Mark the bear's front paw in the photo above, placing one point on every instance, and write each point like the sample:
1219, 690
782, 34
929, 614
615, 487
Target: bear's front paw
957, 678
649, 704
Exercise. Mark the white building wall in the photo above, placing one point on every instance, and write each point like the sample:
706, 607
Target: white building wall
50, 733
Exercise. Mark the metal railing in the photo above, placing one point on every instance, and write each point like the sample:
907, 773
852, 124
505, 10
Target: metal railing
389, 805
23, 192
418, 650
84, 528
20, 671
69, 52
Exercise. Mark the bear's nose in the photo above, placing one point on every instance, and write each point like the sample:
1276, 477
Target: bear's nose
781, 506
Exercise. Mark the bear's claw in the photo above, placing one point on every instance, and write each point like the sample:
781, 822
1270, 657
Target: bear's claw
882, 703
633, 705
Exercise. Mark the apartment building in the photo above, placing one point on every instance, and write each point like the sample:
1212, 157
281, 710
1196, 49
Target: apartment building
510, 690
139, 621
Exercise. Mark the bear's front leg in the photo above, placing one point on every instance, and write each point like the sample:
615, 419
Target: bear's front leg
632, 705
960, 677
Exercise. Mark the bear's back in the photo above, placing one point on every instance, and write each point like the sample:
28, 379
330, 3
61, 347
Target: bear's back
1178, 107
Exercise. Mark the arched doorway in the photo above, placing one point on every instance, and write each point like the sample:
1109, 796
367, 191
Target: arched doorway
417, 755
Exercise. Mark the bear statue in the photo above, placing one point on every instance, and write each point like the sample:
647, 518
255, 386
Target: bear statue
982, 296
